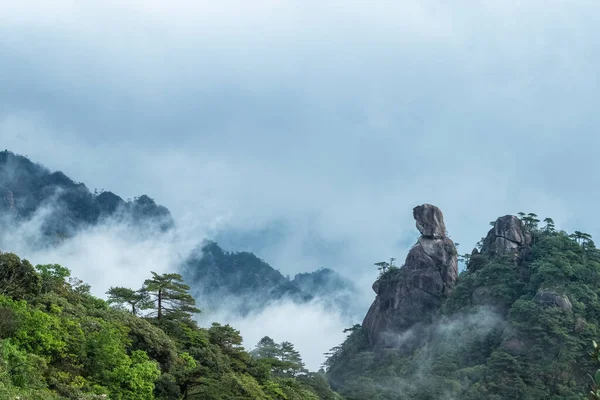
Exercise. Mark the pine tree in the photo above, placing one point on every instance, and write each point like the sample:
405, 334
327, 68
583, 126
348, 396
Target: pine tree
121, 295
291, 359
266, 348
168, 297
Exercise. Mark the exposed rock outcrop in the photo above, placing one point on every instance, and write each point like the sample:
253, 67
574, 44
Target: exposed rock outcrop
509, 237
553, 299
415, 291
430, 221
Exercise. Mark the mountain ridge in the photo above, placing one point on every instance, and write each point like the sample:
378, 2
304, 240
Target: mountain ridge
246, 281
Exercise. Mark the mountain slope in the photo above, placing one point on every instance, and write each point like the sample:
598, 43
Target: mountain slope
243, 283
518, 324
27, 188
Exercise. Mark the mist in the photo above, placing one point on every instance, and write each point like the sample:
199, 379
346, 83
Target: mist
113, 253
312, 327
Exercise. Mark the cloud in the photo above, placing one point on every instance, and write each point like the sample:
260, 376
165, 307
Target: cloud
115, 254
312, 328
105, 255
334, 117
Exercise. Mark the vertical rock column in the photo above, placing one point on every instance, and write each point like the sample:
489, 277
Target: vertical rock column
415, 292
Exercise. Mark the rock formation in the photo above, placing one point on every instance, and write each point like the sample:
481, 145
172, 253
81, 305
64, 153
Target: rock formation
415, 291
508, 237
551, 298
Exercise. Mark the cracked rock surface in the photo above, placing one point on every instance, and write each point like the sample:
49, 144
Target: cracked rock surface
507, 237
415, 291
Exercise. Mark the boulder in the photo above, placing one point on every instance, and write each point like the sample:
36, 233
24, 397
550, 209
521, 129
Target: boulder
553, 299
430, 221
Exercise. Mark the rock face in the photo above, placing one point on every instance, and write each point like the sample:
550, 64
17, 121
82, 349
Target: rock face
415, 291
507, 237
430, 221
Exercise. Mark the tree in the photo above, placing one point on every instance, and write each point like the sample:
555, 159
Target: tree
464, 258
549, 228
479, 244
383, 266
121, 295
266, 348
595, 392
18, 278
168, 296
230, 341
530, 220
291, 359
583, 239
53, 277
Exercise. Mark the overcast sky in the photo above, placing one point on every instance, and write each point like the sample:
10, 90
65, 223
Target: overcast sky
320, 124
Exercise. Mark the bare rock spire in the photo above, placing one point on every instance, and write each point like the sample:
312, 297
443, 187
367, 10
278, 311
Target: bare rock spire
414, 292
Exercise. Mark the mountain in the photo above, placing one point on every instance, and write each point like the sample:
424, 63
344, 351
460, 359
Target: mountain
242, 283
65, 206
330, 287
236, 282
518, 323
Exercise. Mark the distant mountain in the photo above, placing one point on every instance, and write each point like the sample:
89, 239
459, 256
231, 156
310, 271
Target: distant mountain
237, 282
241, 282
27, 189
330, 287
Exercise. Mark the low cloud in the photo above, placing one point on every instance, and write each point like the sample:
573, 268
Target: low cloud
311, 327
115, 254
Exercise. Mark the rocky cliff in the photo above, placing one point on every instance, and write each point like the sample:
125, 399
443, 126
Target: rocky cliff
412, 293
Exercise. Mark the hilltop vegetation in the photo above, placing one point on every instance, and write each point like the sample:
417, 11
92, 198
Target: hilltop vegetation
59, 342
509, 330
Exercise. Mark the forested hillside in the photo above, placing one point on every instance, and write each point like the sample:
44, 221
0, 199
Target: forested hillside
242, 283
59, 342
27, 188
518, 324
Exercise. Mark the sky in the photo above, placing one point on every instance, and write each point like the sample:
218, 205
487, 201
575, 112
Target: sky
307, 130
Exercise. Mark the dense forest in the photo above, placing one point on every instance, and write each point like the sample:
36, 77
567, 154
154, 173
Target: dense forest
510, 329
59, 342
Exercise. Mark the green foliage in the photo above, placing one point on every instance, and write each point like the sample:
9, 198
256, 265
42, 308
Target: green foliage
18, 278
282, 359
121, 295
169, 297
507, 331
59, 342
